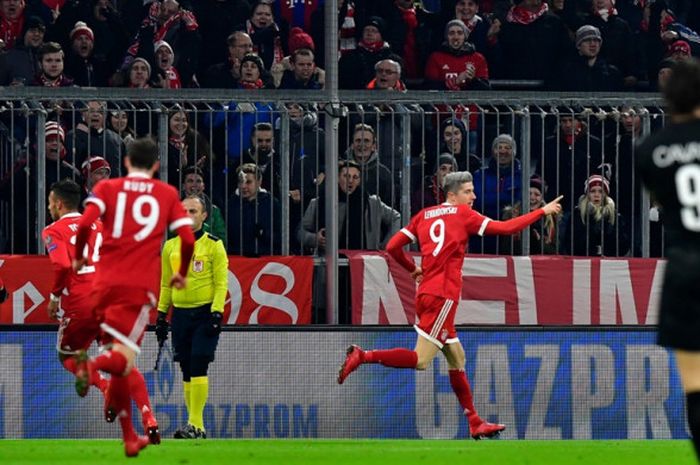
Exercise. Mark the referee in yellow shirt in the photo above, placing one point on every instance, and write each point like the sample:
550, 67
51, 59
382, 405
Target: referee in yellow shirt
197, 312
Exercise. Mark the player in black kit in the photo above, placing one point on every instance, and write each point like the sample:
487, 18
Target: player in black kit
668, 162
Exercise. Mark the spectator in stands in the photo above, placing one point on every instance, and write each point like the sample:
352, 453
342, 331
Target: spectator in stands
409, 32
20, 64
532, 42
618, 47
186, 146
118, 122
298, 39
430, 192
193, 184
588, 72
597, 227
217, 19
167, 76
364, 221
81, 64
387, 76
51, 67
12, 17
91, 137
111, 35
679, 50
303, 73
453, 140
376, 178
269, 36
227, 74
139, 74
571, 155
262, 154
482, 32
456, 65
356, 68
253, 216
19, 183
94, 170
241, 118
168, 21
348, 18
498, 184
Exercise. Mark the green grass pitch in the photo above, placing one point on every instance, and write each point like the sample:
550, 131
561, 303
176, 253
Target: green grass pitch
341, 452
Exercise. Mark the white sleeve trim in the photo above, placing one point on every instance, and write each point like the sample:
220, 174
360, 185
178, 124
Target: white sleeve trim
100, 204
483, 226
409, 234
181, 222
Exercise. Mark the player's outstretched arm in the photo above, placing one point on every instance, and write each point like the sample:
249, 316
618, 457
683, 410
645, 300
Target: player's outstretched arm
91, 213
523, 221
395, 249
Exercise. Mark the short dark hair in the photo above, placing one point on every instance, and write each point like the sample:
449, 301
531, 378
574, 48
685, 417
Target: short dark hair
143, 153
682, 92
192, 170
348, 164
48, 47
301, 51
260, 127
201, 200
68, 191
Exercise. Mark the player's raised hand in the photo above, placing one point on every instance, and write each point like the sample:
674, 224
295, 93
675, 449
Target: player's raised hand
178, 281
78, 263
553, 207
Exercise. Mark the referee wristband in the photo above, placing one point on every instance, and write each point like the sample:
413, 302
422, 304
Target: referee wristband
54, 298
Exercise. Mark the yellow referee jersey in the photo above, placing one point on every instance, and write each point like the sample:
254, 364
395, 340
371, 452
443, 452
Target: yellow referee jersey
207, 275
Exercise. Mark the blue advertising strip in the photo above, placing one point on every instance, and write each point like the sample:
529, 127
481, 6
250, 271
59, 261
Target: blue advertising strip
543, 384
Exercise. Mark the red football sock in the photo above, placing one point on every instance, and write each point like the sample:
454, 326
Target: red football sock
120, 399
397, 358
112, 362
69, 364
138, 390
460, 386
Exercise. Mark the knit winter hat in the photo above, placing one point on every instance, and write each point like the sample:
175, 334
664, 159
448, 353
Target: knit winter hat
588, 32
252, 57
447, 158
537, 183
142, 60
299, 39
34, 22
93, 164
459, 23
680, 46
81, 29
162, 43
504, 139
597, 180
52, 128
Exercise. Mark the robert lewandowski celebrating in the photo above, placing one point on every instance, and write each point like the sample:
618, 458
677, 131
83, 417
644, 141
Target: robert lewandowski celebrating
135, 211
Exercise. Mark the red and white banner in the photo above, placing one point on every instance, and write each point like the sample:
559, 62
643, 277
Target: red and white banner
537, 290
271, 290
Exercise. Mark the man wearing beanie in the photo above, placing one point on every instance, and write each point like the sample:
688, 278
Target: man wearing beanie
81, 64
356, 68
587, 71
618, 48
20, 64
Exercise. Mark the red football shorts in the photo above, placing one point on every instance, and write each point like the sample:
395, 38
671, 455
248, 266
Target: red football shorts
76, 333
436, 319
126, 313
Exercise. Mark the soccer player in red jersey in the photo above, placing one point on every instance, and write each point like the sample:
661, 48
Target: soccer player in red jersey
80, 323
442, 232
136, 210
72, 289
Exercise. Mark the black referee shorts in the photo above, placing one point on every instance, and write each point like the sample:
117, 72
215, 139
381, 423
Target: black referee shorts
190, 333
679, 312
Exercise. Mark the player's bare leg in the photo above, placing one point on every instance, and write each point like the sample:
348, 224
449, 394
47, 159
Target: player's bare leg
478, 428
689, 368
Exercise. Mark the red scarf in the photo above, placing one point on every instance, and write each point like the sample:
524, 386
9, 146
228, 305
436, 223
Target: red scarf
251, 85
399, 86
471, 24
346, 34
10, 31
46, 82
173, 78
410, 58
372, 46
278, 54
187, 18
520, 15
606, 13
178, 142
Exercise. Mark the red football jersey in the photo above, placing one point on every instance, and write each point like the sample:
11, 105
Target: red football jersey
442, 232
74, 288
135, 210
